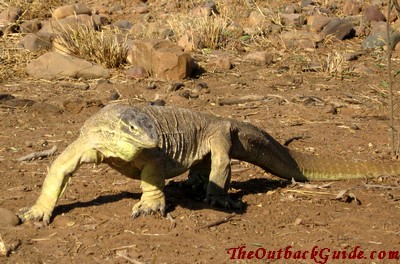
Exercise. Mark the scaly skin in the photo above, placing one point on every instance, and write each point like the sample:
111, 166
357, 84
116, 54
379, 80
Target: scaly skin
155, 143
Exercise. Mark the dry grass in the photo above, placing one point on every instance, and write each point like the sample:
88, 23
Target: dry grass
14, 59
335, 63
34, 8
3, 249
211, 30
106, 47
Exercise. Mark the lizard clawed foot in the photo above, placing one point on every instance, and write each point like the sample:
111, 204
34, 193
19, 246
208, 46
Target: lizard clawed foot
35, 213
197, 182
223, 201
148, 206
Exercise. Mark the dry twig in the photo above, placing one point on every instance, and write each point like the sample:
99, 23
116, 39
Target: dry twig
3, 249
218, 222
39, 154
123, 254
311, 186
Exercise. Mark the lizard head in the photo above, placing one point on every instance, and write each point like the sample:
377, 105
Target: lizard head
120, 131
138, 128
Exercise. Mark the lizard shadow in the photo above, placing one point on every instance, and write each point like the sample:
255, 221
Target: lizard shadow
103, 199
186, 197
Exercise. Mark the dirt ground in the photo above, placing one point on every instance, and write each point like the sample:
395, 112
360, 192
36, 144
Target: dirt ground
336, 116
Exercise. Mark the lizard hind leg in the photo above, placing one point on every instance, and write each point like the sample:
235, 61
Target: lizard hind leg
220, 174
198, 176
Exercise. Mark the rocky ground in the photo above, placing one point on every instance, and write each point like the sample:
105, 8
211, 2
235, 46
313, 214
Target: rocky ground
313, 71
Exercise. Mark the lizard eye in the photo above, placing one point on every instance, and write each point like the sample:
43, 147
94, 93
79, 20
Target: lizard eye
132, 128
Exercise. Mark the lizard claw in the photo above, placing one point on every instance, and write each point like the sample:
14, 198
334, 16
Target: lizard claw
147, 207
223, 201
35, 213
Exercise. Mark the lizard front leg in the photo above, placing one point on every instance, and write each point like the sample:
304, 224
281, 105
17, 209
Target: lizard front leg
220, 175
57, 179
152, 183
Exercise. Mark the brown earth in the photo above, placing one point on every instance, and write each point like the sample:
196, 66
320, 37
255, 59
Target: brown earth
92, 222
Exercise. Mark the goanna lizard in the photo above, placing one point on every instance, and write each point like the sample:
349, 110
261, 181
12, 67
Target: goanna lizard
154, 143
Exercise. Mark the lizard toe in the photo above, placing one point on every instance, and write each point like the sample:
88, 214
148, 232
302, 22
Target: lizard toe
148, 207
35, 213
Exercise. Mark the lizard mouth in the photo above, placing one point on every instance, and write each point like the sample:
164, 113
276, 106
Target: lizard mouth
145, 143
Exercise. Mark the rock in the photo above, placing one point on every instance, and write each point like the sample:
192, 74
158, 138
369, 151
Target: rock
11, 14
340, 28
40, 108
378, 26
293, 19
171, 63
138, 29
292, 8
77, 105
300, 39
207, 9
379, 39
372, 13
317, 22
74, 85
123, 25
220, 62
53, 65
8, 218
235, 30
175, 86
158, 102
161, 58
351, 8
35, 42
261, 57
100, 20
117, 7
350, 56
7, 20
305, 3
360, 68
190, 41
7, 27
70, 24
201, 11
141, 9
255, 18
31, 26
136, 72
71, 10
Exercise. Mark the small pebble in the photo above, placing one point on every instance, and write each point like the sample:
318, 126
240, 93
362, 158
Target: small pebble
175, 87
114, 95
8, 218
157, 102
151, 86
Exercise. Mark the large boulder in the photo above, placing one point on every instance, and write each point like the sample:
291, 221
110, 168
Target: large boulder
53, 65
71, 10
161, 58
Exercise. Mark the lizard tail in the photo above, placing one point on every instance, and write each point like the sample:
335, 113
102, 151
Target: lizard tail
319, 168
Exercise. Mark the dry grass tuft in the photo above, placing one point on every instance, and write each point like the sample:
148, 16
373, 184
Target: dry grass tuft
3, 249
335, 63
211, 30
13, 58
106, 47
34, 8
